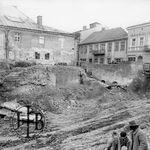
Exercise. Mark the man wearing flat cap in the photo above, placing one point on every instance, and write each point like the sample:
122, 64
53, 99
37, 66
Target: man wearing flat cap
139, 141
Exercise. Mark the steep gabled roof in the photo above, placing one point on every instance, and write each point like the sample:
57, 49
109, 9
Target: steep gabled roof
10, 16
106, 35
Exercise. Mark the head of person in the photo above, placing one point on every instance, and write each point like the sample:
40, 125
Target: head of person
114, 134
123, 134
133, 125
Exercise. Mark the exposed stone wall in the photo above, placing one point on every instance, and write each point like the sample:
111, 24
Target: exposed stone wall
60, 48
122, 73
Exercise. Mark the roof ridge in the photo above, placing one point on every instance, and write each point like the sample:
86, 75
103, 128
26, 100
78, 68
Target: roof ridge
28, 22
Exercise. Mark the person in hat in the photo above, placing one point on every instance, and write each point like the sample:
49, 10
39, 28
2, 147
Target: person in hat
138, 138
113, 144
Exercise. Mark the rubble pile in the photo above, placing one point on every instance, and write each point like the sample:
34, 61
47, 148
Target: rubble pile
80, 116
55, 88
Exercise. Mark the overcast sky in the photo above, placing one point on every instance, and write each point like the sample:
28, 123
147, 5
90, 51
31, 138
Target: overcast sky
71, 15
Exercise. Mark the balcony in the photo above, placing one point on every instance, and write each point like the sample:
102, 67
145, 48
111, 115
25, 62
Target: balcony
146, 48
98, 52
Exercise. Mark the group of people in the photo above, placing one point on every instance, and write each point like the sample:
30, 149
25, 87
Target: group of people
136, 140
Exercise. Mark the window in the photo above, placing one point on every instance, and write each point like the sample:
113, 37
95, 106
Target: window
91, 48
118, 60
47, 56
122, 47
101, 60
96, 46
95, 60
90, 60
102, 47
133, 42
82, 59
37, 55
17, 37
41, 40
109, 47
131, 58
116, 46
80, 49
108, 60
141, 41
85, 49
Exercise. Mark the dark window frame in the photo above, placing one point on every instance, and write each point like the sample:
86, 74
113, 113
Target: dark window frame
37, 55
47, 56
17, 37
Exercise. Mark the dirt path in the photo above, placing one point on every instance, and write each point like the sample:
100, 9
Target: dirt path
86, 125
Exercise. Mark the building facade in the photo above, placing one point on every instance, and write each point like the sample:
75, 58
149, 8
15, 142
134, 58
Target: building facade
139, 42
81, 35
104, 47
22, 39
93, 27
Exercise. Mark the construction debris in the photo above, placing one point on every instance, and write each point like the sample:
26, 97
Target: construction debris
79, 115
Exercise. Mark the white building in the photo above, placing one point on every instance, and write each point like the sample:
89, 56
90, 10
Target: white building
139, 42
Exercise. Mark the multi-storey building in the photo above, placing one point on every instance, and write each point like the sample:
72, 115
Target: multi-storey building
139, 42
23, 39
81, 35
104, 47
93, 27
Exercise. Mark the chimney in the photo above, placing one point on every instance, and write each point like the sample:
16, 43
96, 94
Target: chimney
103, 28
84, 28
39, 21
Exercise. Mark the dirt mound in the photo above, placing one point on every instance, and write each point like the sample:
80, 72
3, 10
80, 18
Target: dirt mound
25, 80
53, 87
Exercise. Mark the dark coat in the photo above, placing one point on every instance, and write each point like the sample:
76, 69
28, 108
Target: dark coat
125, 141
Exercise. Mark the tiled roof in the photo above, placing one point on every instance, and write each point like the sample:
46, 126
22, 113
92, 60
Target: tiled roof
10, 16
106, 35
